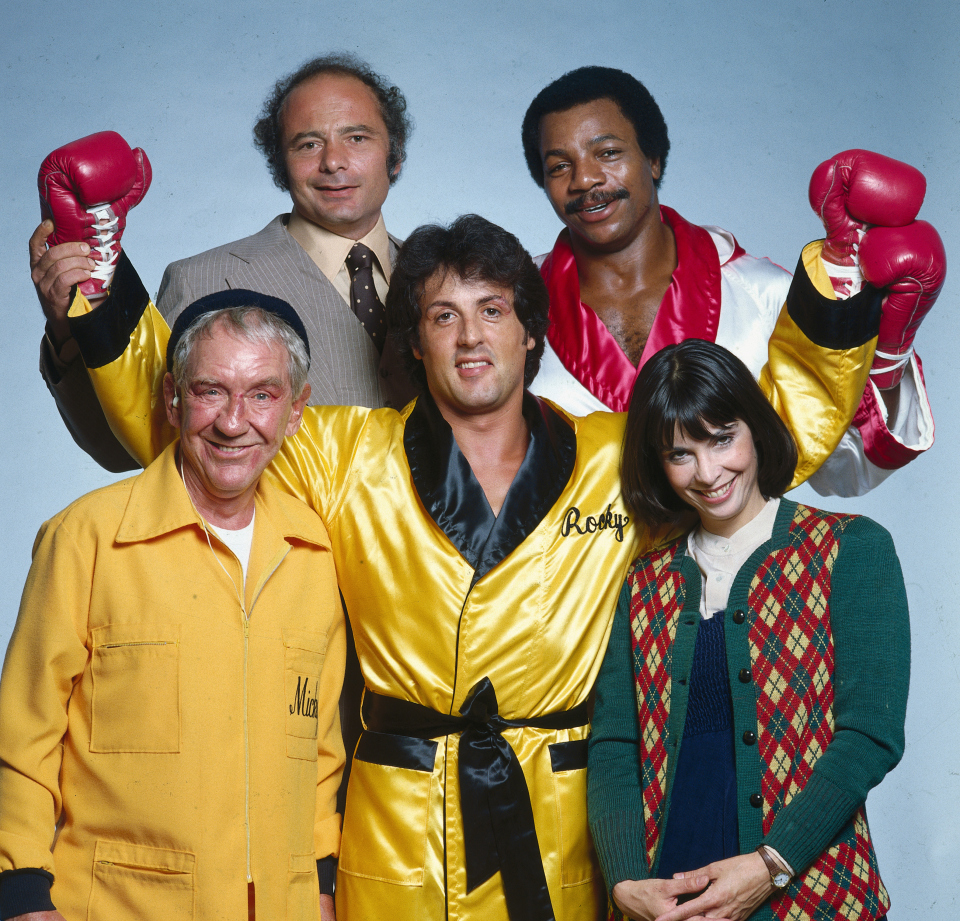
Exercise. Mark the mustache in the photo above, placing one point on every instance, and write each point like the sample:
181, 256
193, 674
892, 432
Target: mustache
590, 199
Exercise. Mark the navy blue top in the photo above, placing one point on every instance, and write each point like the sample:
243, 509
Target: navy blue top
702, 823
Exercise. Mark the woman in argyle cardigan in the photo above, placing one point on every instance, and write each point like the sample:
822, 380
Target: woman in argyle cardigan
755, 685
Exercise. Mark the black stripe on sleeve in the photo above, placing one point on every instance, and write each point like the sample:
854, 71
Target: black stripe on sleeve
833, 324
104, 334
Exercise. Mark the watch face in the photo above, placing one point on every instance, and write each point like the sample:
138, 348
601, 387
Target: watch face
781, 880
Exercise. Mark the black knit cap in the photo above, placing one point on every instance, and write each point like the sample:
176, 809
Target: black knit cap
234, 297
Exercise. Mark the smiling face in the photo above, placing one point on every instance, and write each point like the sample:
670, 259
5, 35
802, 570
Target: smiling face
717, 477
599, 181
473, 346
335, 146
233, 415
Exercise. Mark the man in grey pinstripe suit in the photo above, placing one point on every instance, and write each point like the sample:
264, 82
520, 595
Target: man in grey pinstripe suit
334, 135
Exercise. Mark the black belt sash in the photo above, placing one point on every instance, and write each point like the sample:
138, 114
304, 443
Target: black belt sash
498, 826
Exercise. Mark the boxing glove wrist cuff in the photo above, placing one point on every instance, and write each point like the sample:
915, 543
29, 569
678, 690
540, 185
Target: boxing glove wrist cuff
896, 361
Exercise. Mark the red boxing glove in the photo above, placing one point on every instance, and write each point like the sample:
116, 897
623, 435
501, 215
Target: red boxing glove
857, 188
912, 264
86, 189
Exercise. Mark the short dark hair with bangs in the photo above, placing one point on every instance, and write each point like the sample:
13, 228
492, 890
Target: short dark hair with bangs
472, 248
687, 387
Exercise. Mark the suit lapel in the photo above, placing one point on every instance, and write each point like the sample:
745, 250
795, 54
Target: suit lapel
346, 366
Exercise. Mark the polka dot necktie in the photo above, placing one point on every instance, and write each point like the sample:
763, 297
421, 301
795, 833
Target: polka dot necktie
363, 295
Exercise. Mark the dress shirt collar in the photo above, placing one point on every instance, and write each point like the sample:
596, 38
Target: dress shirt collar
328, 250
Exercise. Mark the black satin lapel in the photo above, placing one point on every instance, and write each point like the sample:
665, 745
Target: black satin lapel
454, 498
542, 476
444, 481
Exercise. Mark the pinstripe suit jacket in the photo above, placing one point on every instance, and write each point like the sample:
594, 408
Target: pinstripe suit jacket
345, 368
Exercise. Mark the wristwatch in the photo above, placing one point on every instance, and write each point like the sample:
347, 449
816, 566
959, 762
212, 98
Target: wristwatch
778, 876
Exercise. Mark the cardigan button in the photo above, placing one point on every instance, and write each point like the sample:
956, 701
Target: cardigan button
745, 675
756, 800
749, 737
739, 617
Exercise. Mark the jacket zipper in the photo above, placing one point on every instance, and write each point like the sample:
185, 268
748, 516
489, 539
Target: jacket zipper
246, 740
246, 723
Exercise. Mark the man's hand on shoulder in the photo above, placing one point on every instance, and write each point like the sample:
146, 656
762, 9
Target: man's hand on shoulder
54, 272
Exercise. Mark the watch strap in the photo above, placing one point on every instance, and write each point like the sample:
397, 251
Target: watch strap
778, 876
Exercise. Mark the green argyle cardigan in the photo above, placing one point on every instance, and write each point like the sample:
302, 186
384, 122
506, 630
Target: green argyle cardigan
818, 652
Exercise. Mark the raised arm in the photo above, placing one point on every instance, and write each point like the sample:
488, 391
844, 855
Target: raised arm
868, 204
123, 343
86, 189
819, 361
54, 271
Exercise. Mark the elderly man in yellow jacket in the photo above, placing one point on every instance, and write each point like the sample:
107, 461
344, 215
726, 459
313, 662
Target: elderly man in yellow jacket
169, 738
480, 542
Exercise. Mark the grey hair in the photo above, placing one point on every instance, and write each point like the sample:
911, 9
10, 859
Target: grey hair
252, 324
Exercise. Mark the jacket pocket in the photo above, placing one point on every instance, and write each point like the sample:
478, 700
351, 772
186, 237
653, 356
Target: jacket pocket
578, 861
303, 902
303, 663
135, 703
136, 881
388, 804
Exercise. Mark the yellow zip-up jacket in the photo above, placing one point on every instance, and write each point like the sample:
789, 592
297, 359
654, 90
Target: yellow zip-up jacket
451, 606
181, 731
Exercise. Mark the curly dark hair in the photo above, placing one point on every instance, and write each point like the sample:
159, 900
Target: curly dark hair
472, 248
587, 84
268, 131
689, 386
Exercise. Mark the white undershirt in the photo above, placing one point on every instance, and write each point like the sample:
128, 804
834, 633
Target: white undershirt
239, 542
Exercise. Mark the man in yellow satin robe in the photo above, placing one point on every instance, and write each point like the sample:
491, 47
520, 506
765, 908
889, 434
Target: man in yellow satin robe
480, 542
